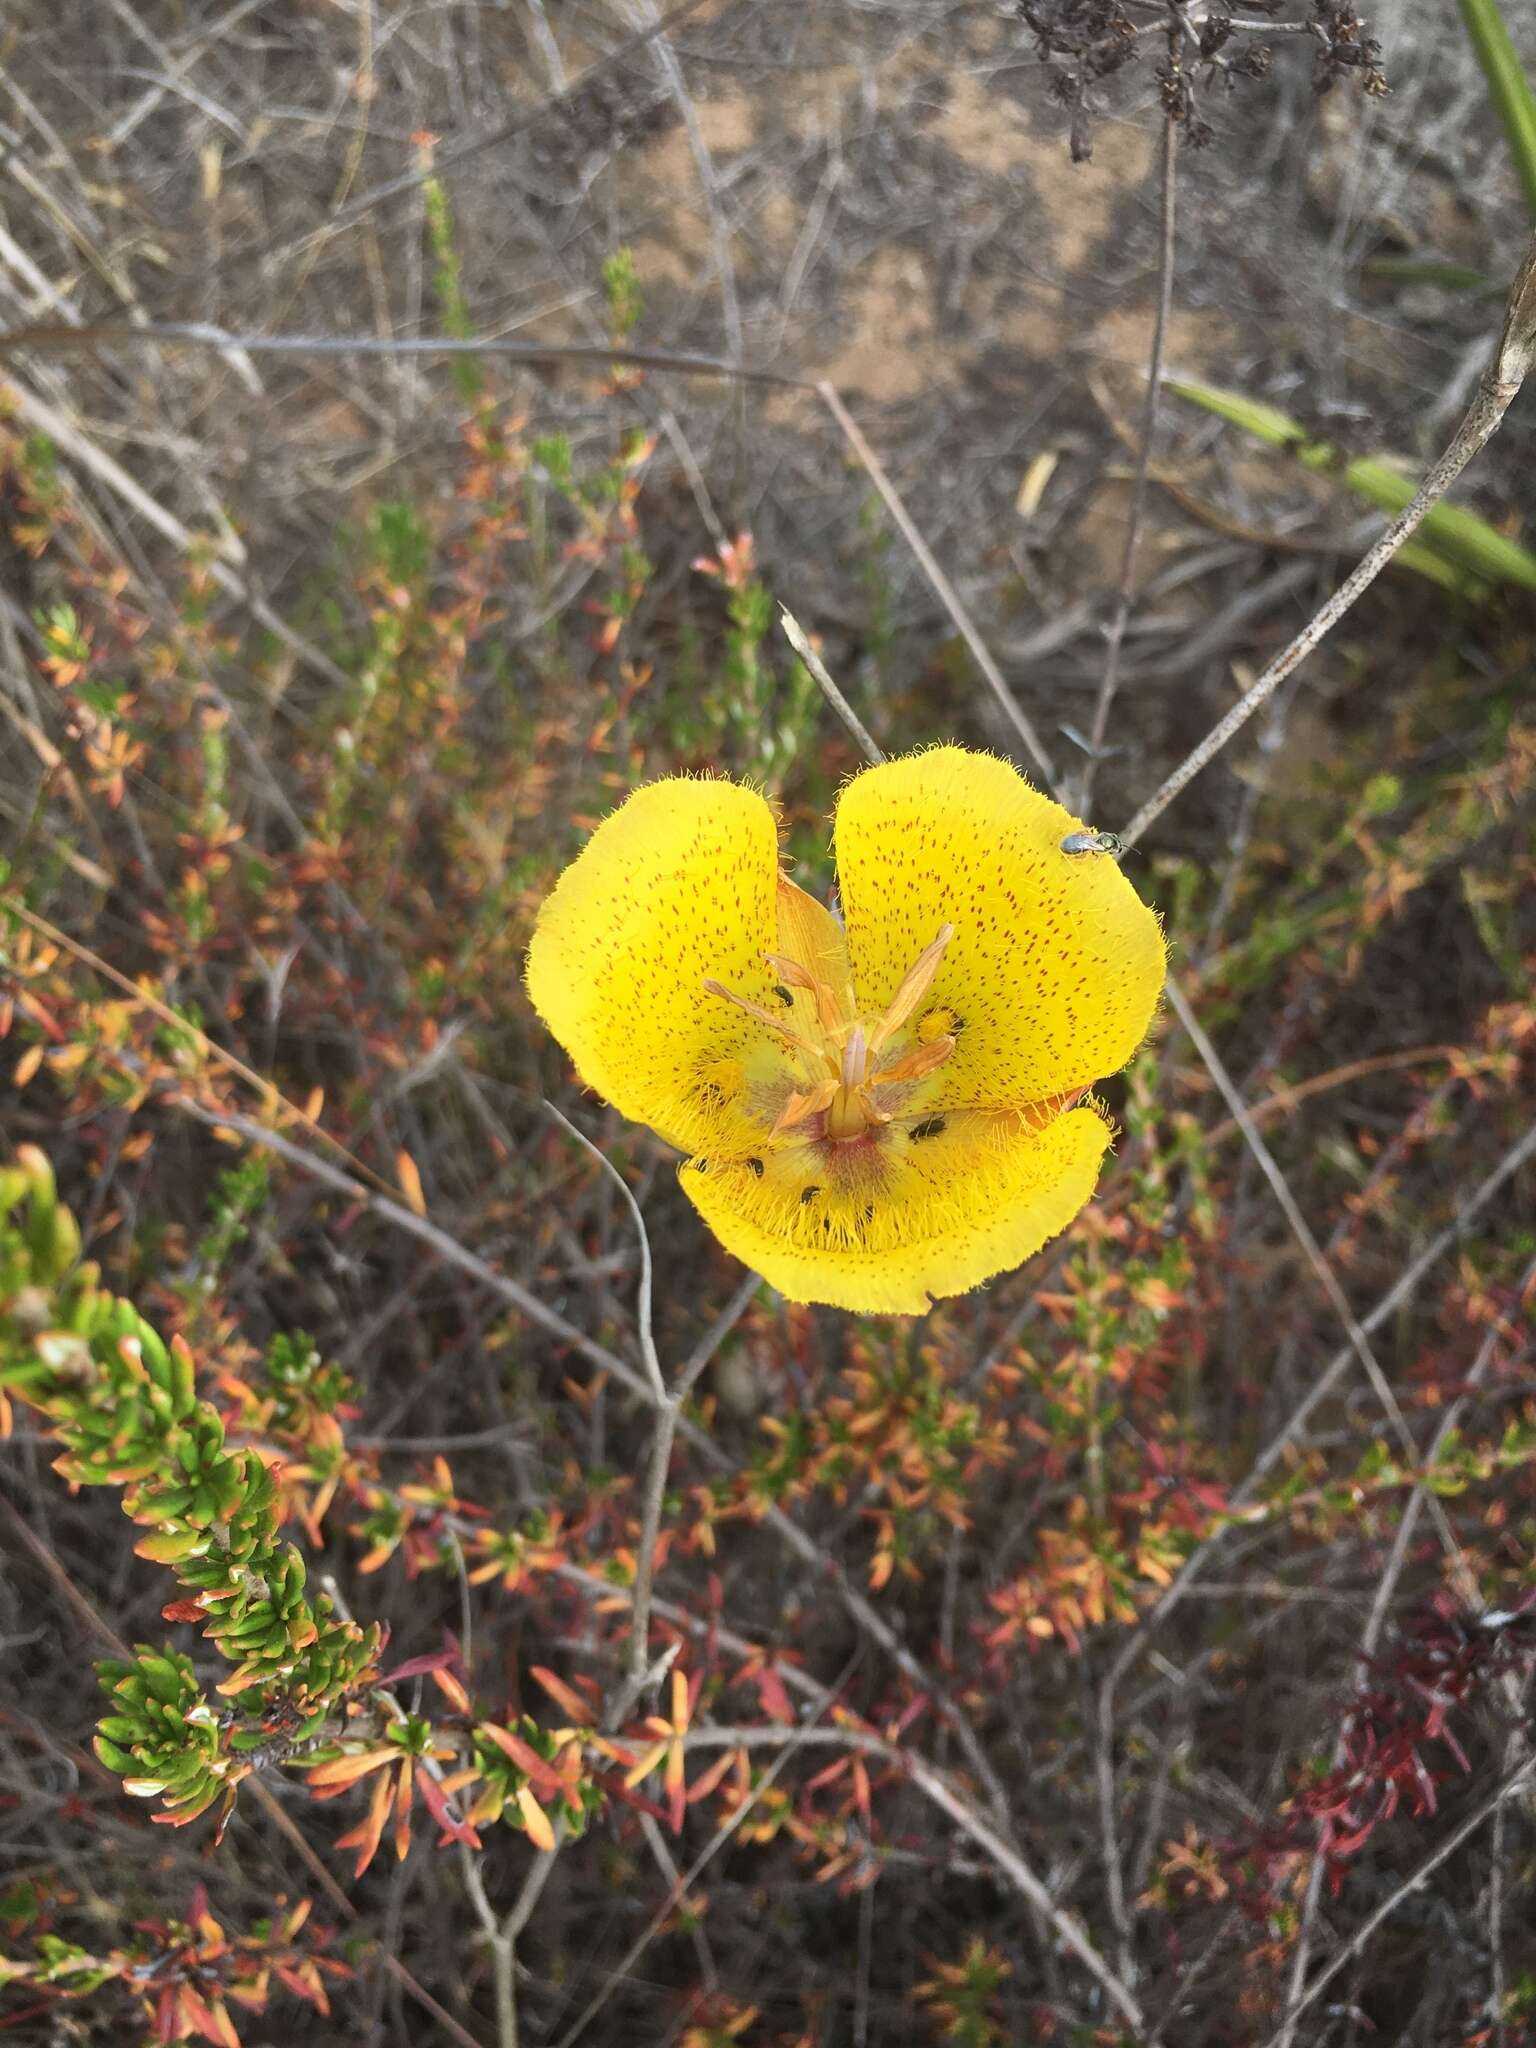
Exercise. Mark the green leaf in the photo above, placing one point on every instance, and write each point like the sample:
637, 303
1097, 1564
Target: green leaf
1458, 538
162, 1678
171, 1546
1508, 87
183, 1381
20, 1904
18, 1376
1435, 270
1383, 793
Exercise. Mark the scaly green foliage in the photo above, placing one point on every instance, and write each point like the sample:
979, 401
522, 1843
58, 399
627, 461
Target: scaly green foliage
124, 1405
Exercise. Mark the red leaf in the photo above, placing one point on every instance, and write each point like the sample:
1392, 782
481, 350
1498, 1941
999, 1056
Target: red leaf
775, 1698
527, 1760
418, 1667
437, 1806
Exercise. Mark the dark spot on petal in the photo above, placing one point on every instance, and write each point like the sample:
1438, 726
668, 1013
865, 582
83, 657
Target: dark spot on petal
869, 1212
756, 1166
808, 1195
712, 1094
930, 1127
697, 1166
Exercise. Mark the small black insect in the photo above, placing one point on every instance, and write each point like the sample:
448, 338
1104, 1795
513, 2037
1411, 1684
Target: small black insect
808, 1195
930, 1127
756, 1166
783, 995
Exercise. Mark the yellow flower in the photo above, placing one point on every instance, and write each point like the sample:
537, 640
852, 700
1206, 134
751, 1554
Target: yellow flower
877, 1110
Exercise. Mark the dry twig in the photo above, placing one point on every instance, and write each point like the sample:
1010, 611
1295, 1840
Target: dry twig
1512, 360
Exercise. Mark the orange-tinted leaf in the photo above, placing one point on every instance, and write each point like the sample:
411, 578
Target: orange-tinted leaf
535, 1819
581, 1711
346, 1770
368, 1833
677, 1787
403, 1810
410, 1182
703, 1786
645, 1766
450, 1687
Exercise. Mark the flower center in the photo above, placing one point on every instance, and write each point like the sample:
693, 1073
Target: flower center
843, 1061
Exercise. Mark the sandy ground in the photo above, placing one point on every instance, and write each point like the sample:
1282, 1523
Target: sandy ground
877, 194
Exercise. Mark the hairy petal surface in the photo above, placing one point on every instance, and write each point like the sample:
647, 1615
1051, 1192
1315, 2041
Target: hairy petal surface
1053, 973
678, 885
934, 1209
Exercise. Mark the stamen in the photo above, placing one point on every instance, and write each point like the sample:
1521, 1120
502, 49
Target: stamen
718, 988
913, 1065
799, 1107
915, 985
829, 1011
790, 970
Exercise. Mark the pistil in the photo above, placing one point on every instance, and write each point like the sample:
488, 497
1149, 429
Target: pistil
850, 1112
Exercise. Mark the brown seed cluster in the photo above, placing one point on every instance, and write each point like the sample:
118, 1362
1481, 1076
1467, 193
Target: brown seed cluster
1193, 46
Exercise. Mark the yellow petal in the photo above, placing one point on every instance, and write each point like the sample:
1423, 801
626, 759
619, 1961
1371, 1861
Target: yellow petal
931, 1210
1053, 973
677, 886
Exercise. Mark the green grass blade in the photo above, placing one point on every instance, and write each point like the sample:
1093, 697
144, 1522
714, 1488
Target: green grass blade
1449, 575
1450, 277
1457, 536
1508, 86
